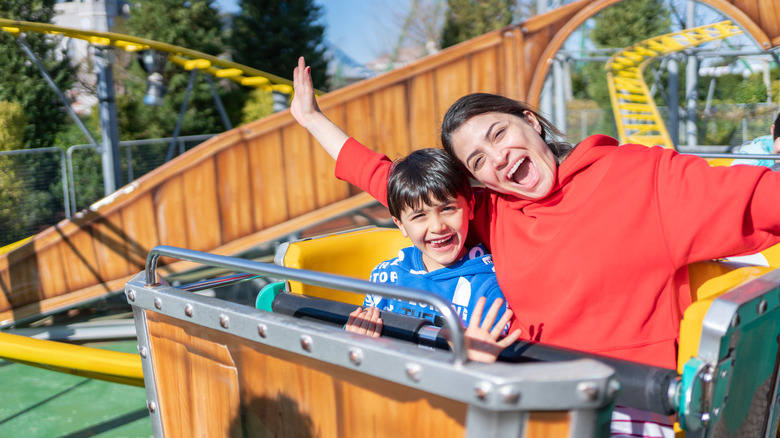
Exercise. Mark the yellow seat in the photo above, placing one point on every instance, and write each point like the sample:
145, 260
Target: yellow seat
354, 254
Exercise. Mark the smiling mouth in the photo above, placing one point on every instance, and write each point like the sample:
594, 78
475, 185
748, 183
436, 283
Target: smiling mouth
439, 243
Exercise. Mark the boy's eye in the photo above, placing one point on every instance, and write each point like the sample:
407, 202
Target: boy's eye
416, 216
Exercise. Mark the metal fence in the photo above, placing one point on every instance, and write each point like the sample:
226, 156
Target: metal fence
40, 187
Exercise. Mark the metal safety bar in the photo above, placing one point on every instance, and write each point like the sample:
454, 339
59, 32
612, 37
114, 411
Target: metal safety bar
332, 281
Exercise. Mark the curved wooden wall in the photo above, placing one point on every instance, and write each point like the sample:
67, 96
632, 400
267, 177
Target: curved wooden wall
253, 183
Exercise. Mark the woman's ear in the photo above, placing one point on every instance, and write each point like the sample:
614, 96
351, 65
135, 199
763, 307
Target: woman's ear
530, 117
400, 226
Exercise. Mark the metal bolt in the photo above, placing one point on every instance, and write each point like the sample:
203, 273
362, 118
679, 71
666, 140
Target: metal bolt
306, 342
413, 371
589, 390
158, 303
143, 352
735, 320
705, 419
224, 321
762, 305
723, 374
613, 388
355, 356
716, 411
706, 377
131, 295
152, 406
262, 330
510, 395
483, 390
188, 309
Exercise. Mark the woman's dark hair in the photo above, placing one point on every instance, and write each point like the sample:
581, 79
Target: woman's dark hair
422, 177
776, 131
476, 104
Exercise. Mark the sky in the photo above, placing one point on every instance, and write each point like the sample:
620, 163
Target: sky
350, 25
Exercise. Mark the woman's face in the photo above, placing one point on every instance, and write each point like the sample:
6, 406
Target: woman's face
507, 154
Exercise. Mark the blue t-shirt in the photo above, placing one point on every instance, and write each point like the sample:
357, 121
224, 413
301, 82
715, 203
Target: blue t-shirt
461, 283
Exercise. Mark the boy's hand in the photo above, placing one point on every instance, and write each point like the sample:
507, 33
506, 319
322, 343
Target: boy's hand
482, 342
304, 102
365, 322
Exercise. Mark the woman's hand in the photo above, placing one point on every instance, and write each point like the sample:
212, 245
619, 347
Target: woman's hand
304, 103
482, 342
307, 112
365, 321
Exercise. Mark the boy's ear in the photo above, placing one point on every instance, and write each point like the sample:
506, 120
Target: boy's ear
400, 227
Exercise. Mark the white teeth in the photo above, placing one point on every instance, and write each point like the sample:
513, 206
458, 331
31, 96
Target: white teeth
514, 168
435, 242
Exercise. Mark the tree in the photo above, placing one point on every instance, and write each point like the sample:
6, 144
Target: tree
12, 122
270, 35
22, 82
467, 19
196, 25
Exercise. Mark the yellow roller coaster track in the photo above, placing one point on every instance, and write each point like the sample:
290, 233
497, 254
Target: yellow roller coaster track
636, 115
189, 59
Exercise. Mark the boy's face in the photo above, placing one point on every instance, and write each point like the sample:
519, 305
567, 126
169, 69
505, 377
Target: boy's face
438, 230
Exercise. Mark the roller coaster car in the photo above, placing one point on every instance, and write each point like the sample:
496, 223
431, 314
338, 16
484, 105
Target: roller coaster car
215, 368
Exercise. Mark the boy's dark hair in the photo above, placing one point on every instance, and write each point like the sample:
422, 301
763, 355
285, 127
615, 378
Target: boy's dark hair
776, 131
422, 177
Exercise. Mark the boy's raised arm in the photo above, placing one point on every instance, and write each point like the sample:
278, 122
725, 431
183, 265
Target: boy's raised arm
306, 111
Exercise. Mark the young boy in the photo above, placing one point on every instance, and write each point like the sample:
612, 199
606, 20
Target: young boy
431, 202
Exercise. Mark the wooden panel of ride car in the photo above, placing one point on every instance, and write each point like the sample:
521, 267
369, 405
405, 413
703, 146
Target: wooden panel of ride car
216, 368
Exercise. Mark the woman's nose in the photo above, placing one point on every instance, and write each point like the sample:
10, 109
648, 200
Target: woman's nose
498, 156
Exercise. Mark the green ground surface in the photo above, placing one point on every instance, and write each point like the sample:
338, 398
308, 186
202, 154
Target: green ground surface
39, 403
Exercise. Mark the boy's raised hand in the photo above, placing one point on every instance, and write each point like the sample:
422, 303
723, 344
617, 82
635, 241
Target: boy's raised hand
365, 321
482, 342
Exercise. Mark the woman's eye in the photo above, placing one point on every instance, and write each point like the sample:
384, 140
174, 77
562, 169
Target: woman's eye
477, 163
499, 133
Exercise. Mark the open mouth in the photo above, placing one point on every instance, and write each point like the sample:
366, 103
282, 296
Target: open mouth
523, 172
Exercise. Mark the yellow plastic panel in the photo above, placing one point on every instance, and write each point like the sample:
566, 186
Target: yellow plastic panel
352, 254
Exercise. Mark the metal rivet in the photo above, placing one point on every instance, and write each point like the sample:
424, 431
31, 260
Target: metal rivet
589, 390
705, 419
306, 342
158, 303
143, 352
483, 390
735, 320
224, 321
152, 406
131, 295
413, 371
723, 374
716, 411
262, 330
510, 395
762, 305
613, 388
188, 309
356, 356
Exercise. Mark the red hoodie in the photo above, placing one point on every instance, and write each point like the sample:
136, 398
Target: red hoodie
600, 264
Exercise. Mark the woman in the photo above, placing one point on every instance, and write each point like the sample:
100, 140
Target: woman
591, 244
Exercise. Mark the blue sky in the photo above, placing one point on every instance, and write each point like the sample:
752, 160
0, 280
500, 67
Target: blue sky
349, 24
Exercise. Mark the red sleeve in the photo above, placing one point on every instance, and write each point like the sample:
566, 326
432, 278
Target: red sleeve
710, 212
364, 168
